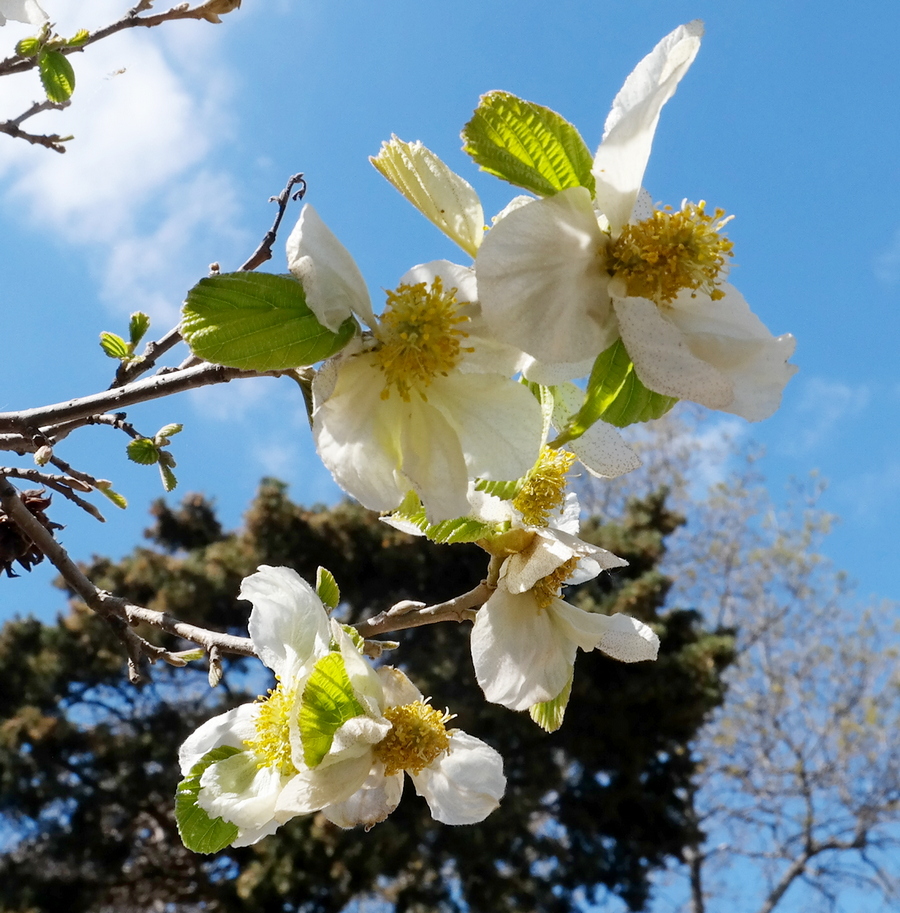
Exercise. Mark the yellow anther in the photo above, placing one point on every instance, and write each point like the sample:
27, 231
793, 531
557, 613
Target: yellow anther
418, 735
544, 491
671, 251
549, 587
420, 337
273, 740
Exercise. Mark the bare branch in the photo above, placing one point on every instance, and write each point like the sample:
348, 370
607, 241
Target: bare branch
264, 251
54, 141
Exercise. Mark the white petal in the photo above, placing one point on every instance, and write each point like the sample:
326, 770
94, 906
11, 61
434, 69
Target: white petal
551, 373
601, 448
544, 554
363, 677
288, 625
542, 281
358, 434
313, 789
231, 728
729, 336
498, 422
438, 193
619, 636
398, 689
240, 791
369, 805
334, 286
521, 656
465, 784
22, 11
622, 157
662, 358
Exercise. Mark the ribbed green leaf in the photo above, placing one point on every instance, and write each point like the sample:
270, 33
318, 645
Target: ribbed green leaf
142, 450
114, 346
461, 529
258, 322
198, 831
117, 499
615, 395
327, 589
327, 703
549, 714
138, 326
528, 145
57, 76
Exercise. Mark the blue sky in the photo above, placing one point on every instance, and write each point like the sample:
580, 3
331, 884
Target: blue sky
182, 134
788, 119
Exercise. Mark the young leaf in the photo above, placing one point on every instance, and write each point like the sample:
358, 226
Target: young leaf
197, 830
549, 714
57, 76
28, 47
79, 38
528, 145
257, 321
504, 490
142, 450
107, 490
137, 327
616, 395
327, 589
115, 346
461, 529
328, 702
161, 438
166, 462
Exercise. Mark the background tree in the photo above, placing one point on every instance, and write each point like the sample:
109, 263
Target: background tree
88, 762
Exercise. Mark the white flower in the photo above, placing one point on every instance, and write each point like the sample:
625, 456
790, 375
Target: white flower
426, 401
564, 277
22, 11
459, 776
290, 631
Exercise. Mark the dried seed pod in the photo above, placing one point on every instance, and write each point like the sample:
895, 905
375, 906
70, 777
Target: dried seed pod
15, 545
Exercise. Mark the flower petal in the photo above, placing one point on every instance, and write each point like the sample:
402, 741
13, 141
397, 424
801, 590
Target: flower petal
398, 689
438, 193
662, 358
334, 286
601, 449
465, 784
231, 728
498, 422
729, 336
310, 790
542, 281
240, 791
22, 11
288, 625
628, 135
619, 636
370, 804
521, 656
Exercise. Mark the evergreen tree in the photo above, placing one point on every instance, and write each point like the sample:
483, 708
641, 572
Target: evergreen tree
88, 762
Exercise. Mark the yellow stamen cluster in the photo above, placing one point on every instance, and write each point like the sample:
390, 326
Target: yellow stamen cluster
544, 491
549, 587
420, 336
418, 735
273, 739
671, 251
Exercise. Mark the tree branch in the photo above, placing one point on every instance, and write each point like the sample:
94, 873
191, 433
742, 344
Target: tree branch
264, 251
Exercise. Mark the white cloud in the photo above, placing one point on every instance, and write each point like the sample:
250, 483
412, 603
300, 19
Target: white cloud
887, 263
138, 186
823, 405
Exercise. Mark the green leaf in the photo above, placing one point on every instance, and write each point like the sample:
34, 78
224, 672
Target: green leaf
115, 346
161, 438
137, 327
461, 529
327, 589
79, 38
143, 450
616, 395
528, 145
258, 322
105, 488
57, 76
549, 714
170, 483
327, 703
197, 830
505, 490
28, 47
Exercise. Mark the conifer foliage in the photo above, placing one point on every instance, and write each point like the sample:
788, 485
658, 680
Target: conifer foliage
88, 762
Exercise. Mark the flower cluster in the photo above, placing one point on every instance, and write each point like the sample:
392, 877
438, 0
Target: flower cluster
458, 411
